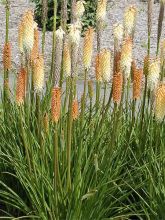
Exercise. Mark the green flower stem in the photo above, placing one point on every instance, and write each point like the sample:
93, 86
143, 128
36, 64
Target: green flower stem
43, 36
69, 136
54, 39
127, 96
23, 135
104, 97
57, 178
133, 112
84, 97
98, 85
38, 114
56, 162
144, 102
66, 94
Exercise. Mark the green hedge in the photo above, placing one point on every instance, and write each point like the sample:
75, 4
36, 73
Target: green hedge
88, 18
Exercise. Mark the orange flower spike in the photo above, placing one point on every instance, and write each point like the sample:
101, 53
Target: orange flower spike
117, 87
75, 109
7, 56
137, 83
117, 60
98, 68
56, 104
20, 88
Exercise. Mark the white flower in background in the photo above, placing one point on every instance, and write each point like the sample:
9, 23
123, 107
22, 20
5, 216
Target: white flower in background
118, 31
101, 10
60, 33
74, 34
129, 20
80, 9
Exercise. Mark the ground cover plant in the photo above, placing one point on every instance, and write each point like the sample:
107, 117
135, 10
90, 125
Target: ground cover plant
98, 156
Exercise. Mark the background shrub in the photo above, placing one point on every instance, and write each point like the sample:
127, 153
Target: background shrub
88, 18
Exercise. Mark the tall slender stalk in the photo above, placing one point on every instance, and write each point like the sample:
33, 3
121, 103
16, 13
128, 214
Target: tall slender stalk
73, 11
69, 136
160, 23
44, 22
149, 25
38, 113
54, 39
23, 134
64, 14
84, 97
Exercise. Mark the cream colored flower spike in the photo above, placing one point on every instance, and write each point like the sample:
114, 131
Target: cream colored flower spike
153, 74
160, 103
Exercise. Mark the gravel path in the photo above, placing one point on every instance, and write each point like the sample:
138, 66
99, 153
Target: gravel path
115, 14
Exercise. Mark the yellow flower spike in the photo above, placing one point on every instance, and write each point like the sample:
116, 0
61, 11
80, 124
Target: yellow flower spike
28, 30
7, 56
88, 47
66, 60
160, 102
38, 73
153, 74
105, 63
118, 34
80, 9
56, 104
126, 57
129, 20
20, 87
101, 10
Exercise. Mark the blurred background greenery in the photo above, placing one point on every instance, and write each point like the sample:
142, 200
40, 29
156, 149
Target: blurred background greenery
88, 18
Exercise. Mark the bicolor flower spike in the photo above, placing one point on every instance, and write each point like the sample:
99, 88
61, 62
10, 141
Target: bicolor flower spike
160, 102
153, 74
88, 47
38, 73
105, 63
126, 57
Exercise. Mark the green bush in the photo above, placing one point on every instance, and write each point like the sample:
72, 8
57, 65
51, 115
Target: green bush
88, 18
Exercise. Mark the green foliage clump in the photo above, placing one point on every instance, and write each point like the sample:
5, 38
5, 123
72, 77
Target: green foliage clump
88, 18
